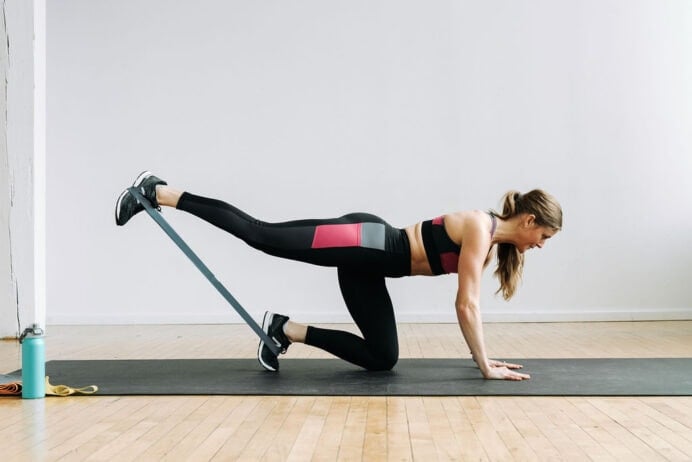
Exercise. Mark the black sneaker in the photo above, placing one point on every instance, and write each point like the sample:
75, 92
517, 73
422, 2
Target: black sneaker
146, 182
127, 206
273, 326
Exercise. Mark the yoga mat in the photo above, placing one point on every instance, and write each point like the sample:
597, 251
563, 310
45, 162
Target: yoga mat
410, 377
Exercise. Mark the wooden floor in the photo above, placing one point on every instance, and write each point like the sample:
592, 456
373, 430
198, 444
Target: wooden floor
220, 428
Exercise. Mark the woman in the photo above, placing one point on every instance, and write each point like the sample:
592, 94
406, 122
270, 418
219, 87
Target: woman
365, 250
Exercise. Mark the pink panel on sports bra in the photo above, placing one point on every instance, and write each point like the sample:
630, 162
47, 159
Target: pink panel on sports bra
449, 261
438, 221
326, 236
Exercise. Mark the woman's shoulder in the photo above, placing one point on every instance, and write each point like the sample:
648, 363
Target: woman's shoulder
466, 217
457, 224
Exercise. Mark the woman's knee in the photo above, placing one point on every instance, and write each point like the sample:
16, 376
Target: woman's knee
385, 361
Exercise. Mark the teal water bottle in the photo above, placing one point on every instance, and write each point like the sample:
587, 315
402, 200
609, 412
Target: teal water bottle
33, 363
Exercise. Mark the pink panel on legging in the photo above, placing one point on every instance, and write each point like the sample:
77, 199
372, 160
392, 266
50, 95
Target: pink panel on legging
347, 235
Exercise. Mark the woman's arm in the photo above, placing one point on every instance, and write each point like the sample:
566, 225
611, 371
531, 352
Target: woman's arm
474, 250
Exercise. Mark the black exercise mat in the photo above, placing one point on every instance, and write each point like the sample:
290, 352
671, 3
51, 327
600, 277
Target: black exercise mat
410, 377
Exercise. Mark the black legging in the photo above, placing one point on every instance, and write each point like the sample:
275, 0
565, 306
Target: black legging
364, 248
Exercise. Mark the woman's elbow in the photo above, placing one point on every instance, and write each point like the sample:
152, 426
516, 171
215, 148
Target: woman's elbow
465, 300
466, 307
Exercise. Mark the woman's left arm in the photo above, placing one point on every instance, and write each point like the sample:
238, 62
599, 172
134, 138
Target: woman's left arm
474, 250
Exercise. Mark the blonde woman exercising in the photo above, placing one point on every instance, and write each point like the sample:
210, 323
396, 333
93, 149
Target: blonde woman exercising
365, 249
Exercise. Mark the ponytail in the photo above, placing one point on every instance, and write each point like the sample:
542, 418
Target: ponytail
510, 262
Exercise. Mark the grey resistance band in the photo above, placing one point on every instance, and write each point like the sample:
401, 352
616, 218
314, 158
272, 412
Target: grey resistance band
158, 218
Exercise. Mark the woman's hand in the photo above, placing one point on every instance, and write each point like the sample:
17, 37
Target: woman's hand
498, 371
494, 363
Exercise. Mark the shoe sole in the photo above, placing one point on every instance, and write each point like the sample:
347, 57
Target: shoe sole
138, 181
117, 207
266, 322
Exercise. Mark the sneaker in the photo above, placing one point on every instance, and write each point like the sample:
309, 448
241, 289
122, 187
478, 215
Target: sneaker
146, 182
273, 326
127, 206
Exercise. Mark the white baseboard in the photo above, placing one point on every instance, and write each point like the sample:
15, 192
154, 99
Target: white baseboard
672, 314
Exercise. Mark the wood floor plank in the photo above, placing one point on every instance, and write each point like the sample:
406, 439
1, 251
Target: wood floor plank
217, 409
353, 433
420, 434
267, 432
77, 435
636, 431
466, 438
499, 412
305, 444
398, 436
223, 432
608, 432
282, 443
444, 438
174, 427
242, 435
680, 413
525, 426
130, 427
375, 444
332, 430
573, 424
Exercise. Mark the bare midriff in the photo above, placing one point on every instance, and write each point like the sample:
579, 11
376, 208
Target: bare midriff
419, 260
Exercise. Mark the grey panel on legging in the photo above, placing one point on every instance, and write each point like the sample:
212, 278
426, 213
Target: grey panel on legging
372, 236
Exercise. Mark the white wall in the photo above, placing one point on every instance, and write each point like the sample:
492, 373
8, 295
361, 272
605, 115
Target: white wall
22, 166
8, 293
298, 109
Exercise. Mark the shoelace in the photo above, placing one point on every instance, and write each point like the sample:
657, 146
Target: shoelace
153, 203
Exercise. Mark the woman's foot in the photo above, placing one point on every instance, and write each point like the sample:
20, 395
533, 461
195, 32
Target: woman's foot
167, 196
272, 325
127, 205
295, 332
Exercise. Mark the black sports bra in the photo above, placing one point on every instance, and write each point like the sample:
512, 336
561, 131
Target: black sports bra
443, 252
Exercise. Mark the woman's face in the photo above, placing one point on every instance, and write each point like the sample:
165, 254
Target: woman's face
532, 235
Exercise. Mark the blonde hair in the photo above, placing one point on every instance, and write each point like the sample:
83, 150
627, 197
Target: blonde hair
548, 213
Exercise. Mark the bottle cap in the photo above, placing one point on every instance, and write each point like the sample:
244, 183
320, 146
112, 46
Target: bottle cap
34, 331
